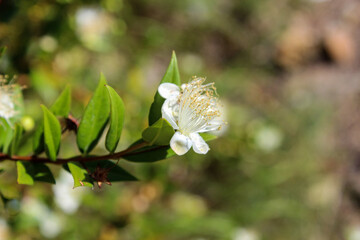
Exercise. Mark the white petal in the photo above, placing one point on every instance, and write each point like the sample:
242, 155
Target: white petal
180, 143
213, 125
168, 114
199, 145
168, 89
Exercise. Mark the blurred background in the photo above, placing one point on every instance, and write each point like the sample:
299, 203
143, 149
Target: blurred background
287, 71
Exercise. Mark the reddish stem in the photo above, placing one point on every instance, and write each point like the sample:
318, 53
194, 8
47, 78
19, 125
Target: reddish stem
81, 159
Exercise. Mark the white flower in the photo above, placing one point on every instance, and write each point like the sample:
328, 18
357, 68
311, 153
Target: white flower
191, 109
67, 198
7, 105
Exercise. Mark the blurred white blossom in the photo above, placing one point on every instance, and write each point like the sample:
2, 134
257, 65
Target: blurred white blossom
7, 100
353, 232
268, 138
50, 224
67, 198
245, 234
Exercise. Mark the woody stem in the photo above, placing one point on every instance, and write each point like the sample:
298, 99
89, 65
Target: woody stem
79, 158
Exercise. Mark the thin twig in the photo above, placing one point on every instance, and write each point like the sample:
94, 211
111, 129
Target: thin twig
79, 158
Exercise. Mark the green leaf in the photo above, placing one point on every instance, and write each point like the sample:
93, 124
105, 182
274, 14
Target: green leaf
30, 172
52, 134
117, 113
6, 136
157, 153
159, 133
24, 174
80, 175
149, 153
61, 106
15, 143
171, 76
95, 118
3, 132
38, 139
115, 174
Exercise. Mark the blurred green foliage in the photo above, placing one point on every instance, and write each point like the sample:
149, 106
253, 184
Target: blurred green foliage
261, 176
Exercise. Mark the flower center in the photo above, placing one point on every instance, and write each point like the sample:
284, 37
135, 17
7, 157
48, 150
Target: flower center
198, 106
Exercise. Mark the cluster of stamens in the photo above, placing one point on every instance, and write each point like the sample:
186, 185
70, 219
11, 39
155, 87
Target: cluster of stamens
198, 105
7, 98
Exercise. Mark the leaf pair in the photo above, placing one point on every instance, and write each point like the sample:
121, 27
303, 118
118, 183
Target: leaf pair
48, 135
10, 137
104, 104
29, 172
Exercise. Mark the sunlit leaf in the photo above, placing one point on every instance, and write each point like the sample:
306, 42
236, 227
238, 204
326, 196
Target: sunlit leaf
80, 175
171, 76
95, 118
24, 174
30, 172
159, 133
6, 136
52, 134
117, 114
61, 106
38, 139
16, 140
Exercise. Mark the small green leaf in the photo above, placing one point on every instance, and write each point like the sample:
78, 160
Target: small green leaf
38, 139
42, 173
117, 114
30, 172
115, 174
15, 143
80, 175
24, 174
4, 126
52, 134
157, 153
171, 76
61, 106
6, 136
95, 118
149, 153
159, 133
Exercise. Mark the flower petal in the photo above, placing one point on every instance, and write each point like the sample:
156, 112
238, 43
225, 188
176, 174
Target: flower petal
168, 89
199, 145
213, 125
168, 113
180, 143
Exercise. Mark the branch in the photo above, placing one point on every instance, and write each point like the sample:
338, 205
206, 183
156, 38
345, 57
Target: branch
81, 159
